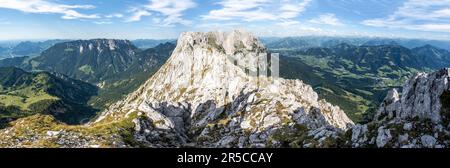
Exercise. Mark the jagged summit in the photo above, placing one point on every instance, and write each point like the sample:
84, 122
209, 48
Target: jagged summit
421, 97
210, 80
230, 42
88, 60
417, 117
99, 44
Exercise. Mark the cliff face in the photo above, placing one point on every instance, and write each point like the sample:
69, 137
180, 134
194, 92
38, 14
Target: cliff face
210, 94
418, 117
421, 97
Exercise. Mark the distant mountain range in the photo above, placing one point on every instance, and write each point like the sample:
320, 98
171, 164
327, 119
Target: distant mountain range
150, 43
375, 57
34, 48
117, 67
305, 42
27, 48
88, 60
357, 77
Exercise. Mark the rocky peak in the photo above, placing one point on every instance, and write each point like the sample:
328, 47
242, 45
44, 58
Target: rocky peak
417, 117
99, 45
421, 97
231, 42
88, 60
210, 94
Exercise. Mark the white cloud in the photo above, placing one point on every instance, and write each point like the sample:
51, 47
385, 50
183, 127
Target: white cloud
289, 31
137, 15
115, 15
44, 6
247, 10
434, 27
218, 25
424, 15
291, 10
288, 23
102, 22
258, 10
171, 11
328, 19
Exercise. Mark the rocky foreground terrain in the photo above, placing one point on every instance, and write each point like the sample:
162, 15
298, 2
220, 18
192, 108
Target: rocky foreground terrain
418, 117
209, 94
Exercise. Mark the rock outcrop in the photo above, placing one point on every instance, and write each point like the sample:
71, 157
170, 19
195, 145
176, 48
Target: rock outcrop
209, 94
418, 117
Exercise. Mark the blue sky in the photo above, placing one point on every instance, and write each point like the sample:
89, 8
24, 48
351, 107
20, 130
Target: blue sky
159, 19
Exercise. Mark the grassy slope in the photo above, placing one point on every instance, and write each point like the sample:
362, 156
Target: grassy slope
23, 94
33, 132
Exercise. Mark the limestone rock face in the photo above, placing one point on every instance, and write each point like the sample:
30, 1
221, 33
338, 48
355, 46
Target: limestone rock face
421, 97
213, 92
418, 117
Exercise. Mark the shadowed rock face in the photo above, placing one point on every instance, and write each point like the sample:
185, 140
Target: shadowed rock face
418, 117
209, 100
421, 97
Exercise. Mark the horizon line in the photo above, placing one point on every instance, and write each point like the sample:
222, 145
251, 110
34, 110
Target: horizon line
296, 36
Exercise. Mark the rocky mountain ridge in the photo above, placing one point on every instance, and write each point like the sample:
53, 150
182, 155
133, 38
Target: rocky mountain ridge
87, 60
214, 92
117, 67
417, 117
210, 101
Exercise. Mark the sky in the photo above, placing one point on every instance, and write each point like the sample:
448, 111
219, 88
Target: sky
166, 19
